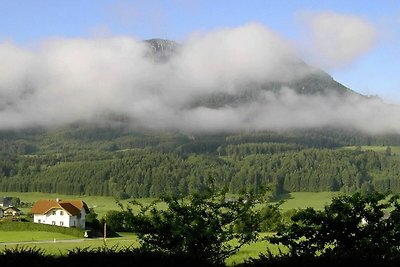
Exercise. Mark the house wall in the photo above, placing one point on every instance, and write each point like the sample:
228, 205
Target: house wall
73, 222
83, 218
78, 221
57, 217
54, 217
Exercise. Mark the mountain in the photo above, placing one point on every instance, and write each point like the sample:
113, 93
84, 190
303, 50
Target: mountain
311, 81
162, 49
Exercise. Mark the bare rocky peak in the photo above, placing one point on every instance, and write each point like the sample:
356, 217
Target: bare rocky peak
162, 49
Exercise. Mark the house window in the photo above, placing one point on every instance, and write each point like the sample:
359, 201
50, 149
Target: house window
39, 221
61, 223
53, 223
61, 212
54, 212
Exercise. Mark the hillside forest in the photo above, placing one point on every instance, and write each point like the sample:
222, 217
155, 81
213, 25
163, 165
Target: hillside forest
84, 159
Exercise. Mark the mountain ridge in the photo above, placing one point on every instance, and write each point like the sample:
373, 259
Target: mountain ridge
315, 81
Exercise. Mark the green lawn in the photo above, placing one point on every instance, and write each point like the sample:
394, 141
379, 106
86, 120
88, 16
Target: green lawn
60, 244
253, 250
301, 200
26, 236
101, 204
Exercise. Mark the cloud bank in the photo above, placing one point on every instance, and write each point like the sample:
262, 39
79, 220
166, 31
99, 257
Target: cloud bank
69, 80
336, 39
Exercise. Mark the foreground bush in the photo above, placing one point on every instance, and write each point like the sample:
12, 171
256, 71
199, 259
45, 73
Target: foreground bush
104, 256
356, 230
203, 226
351, 225
23, 256
290, 260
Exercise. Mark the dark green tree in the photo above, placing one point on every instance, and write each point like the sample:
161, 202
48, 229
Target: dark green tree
92, 220
360, 225
202, 225
388, 151
115, 220
271, 218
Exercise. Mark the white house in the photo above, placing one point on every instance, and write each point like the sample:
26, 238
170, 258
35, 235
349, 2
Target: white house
66, 213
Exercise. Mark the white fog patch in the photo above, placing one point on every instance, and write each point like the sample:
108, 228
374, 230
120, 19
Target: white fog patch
68, 80
336, 39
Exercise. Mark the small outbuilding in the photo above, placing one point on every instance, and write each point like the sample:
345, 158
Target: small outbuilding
12, 211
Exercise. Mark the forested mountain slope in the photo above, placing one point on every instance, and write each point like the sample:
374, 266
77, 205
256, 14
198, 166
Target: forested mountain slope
84, 159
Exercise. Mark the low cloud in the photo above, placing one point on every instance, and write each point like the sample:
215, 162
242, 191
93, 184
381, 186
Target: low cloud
69, 80
290, 110
336, 40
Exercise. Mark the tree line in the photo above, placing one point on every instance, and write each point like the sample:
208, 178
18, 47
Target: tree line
243, 167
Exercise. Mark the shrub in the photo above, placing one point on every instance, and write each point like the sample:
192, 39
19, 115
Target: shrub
24, 256
202, 226
351, 226
115, 220
271, 216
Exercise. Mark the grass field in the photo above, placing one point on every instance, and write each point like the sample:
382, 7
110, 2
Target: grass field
253, 250
101, 204
301, 200
296, 200
59, 244
28, 236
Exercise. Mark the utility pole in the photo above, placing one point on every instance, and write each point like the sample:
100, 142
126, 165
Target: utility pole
105, 228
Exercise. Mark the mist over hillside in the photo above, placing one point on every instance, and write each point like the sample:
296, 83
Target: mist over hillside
232, 79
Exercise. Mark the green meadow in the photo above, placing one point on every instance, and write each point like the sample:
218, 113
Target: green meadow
301, 200
100, 204
253, 250
31, 236
56, 243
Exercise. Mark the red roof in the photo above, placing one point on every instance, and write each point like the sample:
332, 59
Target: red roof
73, 207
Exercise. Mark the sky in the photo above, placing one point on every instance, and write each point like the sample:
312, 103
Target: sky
375, 71
66, 61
